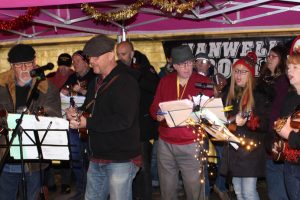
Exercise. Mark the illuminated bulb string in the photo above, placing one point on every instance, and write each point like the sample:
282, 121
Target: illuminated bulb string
201, 153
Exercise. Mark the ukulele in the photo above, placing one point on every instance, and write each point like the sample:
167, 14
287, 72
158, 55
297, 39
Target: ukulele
231, 121
280, 147
83, 133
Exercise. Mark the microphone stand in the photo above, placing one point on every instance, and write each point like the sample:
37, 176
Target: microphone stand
18, 131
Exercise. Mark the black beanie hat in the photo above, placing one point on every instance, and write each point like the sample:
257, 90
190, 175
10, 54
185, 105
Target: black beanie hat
64, 59
21, 53
82, 55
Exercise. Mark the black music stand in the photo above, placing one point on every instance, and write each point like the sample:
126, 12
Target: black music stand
42, 141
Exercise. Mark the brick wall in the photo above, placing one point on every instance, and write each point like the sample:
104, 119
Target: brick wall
48, 51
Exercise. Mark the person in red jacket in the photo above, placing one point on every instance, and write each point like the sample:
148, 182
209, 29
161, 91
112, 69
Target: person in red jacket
176, 146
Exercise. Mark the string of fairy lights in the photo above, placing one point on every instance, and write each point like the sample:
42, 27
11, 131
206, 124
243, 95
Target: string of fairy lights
200, 130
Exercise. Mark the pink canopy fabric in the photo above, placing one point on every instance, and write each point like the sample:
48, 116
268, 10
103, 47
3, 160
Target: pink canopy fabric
40, 3
61, 18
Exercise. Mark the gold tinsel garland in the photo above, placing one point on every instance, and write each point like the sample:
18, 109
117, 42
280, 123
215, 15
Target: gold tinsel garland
170, 6
131, 10
123, 14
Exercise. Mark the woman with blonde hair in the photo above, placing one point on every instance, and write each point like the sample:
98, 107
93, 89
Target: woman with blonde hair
245, 165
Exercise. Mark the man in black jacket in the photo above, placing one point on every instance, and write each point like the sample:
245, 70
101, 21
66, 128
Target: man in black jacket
148, 81
113, 127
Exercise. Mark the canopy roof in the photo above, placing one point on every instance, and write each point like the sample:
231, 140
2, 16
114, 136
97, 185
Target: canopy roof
61, 18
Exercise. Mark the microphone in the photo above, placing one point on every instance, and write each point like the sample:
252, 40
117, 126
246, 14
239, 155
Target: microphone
208, 86
40, 70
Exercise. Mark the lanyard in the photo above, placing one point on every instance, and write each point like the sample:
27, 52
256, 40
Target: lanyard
179, 96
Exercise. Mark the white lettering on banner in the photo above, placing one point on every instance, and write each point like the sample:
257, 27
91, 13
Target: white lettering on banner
272, 43
223, 54
215, 49
246, 47
231, 49
224, 67
260, 50
201, 48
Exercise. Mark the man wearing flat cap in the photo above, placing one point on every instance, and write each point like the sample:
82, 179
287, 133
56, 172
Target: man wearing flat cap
113, 127
16, 85
176, 146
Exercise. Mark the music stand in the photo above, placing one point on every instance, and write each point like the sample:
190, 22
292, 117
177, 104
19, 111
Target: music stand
43, 139
176, 112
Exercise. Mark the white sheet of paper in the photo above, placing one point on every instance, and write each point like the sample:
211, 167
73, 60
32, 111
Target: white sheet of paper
211, 109
56, 135
176, 112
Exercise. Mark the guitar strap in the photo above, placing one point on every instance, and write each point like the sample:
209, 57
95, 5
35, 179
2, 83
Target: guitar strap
100, 90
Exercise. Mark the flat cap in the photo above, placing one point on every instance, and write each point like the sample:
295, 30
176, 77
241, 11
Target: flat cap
181, 54
98, 45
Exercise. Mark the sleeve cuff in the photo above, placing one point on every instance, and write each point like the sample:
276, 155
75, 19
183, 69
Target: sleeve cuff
294, 140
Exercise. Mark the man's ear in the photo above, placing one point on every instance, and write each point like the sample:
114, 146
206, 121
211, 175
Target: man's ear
112, 55
34, 63
131, 54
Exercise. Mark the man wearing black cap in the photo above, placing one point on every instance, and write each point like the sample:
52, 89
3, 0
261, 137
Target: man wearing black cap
64, 63
113, 128
15, 87
177, 146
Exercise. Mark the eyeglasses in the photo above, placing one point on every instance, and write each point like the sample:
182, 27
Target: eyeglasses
272, 56
241, 72
21, 64
186, 63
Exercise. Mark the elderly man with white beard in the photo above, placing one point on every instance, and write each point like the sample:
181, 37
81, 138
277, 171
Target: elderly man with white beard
16, 85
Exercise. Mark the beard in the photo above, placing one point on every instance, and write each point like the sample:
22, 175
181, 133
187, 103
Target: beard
24, 77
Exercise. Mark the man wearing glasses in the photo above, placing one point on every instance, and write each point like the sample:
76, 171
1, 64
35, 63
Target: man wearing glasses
177, 146
15, 87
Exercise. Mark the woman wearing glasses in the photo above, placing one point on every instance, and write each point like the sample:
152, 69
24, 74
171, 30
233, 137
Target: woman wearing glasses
245, 163
274, 83
290, 131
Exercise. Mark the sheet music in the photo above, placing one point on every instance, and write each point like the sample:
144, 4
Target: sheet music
56, 135
176, 112
211, 109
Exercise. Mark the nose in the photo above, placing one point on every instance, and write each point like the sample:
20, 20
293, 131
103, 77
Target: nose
24, 67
